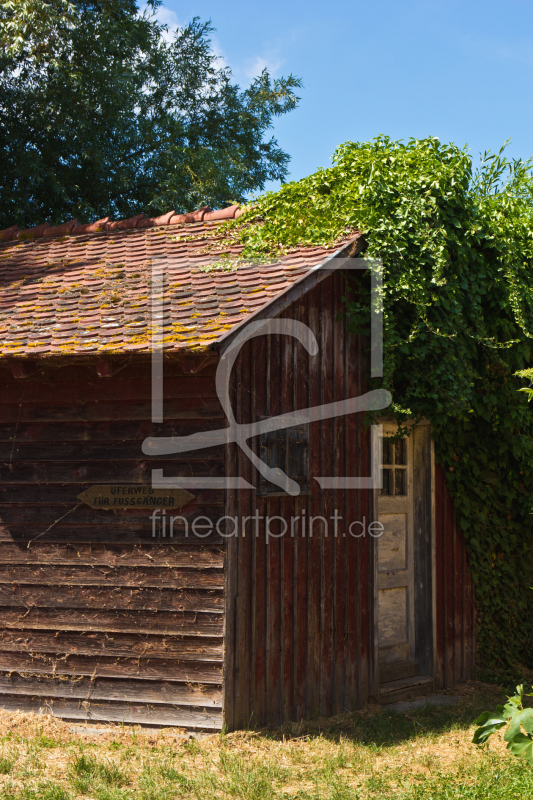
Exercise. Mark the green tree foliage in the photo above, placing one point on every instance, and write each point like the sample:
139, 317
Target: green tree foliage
100, 114
457, 248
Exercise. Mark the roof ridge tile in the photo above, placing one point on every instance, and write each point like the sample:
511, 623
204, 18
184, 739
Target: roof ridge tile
91, 227
124, 224
32, 233
9, 233
60, 230
74, 228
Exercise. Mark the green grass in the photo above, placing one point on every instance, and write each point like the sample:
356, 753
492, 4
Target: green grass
424, 754
92, 776
6, 765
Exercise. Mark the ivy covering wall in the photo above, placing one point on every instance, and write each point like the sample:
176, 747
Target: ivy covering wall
457, 247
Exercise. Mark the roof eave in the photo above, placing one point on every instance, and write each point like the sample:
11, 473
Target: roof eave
312, 278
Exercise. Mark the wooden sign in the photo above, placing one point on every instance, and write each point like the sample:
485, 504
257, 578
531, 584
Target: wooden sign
134, 496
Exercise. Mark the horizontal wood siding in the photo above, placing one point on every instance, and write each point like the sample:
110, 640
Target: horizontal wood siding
99, 619
299, 637
455, 612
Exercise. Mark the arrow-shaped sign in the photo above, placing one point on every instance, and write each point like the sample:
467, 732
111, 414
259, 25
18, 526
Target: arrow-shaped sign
113, 497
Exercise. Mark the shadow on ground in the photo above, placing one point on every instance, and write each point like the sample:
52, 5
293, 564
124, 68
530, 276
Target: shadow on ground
382, 726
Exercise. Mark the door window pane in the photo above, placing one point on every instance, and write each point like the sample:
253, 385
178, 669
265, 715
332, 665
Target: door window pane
400, 482
400, 455
394, 481
386, 482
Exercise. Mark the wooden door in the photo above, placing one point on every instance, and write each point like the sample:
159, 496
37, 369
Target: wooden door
404, 568
396, 606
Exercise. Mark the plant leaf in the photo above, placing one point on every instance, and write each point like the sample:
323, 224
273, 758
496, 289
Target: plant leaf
522, 746
489, 723
524, 719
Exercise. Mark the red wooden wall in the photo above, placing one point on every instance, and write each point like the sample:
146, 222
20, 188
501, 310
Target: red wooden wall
299, 619
98, 619
137, 623
455, 612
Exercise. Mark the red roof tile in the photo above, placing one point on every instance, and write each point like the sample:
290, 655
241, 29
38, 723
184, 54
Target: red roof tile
87, 288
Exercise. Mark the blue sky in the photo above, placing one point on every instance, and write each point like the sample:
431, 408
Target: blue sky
462, 71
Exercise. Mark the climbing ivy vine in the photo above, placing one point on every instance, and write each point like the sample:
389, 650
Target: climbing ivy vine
457, 248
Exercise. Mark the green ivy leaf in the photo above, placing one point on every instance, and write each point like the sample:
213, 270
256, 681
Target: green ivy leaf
457, 250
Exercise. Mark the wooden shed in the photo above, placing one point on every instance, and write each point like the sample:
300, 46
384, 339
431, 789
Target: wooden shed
185, 606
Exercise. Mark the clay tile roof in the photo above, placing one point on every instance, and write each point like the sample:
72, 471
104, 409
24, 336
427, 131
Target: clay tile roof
60, 230
9, 233
221, 213
124, 224
73, 289
91, 227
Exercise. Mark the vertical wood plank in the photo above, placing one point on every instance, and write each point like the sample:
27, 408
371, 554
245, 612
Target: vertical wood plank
439, 575
353, 510
287, 510
287, 618
423, 590
458, 616
340, 333
274, 610
302, 507
326, 468
273, 550
449, 591
455, 626
365, 544
313, 536
261, 388
243, 625
230, 592
469, 628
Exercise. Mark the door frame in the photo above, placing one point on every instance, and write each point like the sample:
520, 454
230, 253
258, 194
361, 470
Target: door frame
425, 562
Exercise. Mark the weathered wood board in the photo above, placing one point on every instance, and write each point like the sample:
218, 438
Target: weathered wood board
103, 617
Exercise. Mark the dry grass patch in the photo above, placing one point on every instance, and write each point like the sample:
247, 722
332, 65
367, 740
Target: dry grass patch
371, 753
